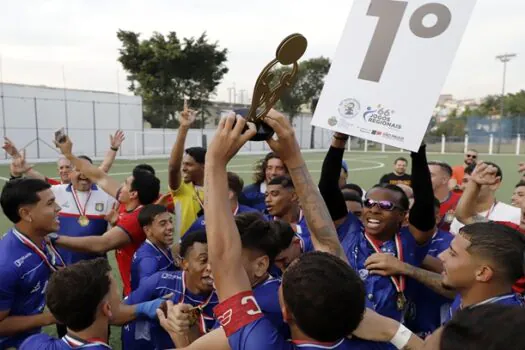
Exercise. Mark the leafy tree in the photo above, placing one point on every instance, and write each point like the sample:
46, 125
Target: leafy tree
164, 70
308, 85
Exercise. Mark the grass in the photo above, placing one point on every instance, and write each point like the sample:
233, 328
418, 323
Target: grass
365, 170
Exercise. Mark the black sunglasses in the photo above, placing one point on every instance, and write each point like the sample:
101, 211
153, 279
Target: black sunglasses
472, 156
385, 205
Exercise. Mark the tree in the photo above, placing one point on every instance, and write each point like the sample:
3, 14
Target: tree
164, 70
308, 85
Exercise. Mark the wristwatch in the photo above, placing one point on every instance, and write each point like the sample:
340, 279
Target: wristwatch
53, 237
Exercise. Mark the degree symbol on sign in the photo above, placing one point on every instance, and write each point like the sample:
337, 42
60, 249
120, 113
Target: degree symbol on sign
390, 14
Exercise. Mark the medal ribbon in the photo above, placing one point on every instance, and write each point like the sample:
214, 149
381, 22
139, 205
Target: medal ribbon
201, 306
159, 250
75, 342
399, 284
197, 197
28, 243
81, 211
491, 210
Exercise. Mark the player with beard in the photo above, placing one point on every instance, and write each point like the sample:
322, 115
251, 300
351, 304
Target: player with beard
270, 167
458, 171
480, 267
154, 254
139, 189
282, 203
379, 233
440, 174
192, 286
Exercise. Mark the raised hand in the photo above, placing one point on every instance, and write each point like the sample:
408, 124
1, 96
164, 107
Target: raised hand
10, 148
177, 318
66, 147
286, 144
18, 166
187, 116
116, 140
229, 138
485, 174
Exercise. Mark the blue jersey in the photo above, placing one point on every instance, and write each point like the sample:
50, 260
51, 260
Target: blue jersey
45, 342
511, 299
199, 224
253, 196
145, 334
94, 205
381, 294
248, 328
147, 260
301, 228
24, 275
427, 310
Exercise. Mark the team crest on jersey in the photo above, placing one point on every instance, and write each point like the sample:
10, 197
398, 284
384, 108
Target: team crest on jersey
99, 207
363, 274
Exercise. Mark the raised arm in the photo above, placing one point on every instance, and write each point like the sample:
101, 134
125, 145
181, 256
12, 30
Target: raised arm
329, 181
92, 172
187, 117
322, 229
114, 141
422, 219
224, 241
483, 174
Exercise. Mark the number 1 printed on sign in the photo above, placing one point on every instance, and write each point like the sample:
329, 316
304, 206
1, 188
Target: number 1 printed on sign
390, 14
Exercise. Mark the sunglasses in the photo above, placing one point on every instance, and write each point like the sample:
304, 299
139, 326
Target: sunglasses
472, 156
384, 205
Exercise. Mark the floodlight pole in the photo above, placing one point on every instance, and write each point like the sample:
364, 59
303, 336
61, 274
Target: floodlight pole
505, 58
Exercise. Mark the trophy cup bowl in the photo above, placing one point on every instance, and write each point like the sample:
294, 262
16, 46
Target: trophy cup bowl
267, 91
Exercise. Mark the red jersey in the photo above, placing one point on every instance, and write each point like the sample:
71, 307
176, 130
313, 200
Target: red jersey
170, 206
53, 181
129, 223
447, 210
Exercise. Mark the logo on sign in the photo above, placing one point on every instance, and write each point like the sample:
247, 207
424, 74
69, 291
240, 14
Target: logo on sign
381, 116
349, 108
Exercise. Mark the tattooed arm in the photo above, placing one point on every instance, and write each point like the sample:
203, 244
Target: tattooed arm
320, 224
387, 265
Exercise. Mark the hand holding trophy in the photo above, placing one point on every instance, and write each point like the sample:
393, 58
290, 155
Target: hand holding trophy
266, 94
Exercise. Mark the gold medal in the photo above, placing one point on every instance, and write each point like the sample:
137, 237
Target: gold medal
401, 301
83, 221
194, 314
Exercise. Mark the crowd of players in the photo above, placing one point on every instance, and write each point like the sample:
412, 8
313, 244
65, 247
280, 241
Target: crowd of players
430, 260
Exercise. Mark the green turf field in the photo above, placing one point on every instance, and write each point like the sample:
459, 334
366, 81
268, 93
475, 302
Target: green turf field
365, 170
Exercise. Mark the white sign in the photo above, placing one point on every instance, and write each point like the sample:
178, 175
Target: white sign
389, 68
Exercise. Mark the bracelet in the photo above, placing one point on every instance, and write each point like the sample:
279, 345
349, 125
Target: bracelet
401, 338
340, 138
114, 149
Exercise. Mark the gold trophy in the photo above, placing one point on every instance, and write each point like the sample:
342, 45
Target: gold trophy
265, 94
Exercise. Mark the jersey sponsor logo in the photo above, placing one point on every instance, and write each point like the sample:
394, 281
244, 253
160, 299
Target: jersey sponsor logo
99, 207
19, 262
363, 274
35, 288
169, 276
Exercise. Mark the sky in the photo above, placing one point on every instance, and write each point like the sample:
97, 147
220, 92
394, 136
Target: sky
73, 43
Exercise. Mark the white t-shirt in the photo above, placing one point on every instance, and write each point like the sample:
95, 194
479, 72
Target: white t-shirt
499, 212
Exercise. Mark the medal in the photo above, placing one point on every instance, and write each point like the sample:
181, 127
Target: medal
399, 282
83, 221
401, 301
53, 253
196, 312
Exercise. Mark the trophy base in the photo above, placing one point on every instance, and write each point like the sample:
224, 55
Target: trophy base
264, 131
